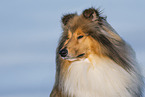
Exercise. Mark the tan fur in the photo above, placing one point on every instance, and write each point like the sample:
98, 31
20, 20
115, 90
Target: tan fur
85, 45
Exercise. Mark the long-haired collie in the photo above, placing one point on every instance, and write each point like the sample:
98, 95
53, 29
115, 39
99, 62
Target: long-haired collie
92, 60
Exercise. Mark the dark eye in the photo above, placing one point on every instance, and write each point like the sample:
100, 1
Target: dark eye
79, 37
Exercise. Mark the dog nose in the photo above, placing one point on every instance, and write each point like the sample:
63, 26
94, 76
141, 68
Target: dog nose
63, 52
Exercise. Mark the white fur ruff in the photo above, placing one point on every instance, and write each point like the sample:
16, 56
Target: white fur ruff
99, 78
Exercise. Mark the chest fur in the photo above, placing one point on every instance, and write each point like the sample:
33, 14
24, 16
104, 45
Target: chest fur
96, 78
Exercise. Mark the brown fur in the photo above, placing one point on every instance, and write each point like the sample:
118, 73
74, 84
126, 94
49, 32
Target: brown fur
98, 38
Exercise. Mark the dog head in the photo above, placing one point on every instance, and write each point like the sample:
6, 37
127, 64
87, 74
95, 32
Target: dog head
85, 34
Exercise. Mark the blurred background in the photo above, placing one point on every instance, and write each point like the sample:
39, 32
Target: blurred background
29, 33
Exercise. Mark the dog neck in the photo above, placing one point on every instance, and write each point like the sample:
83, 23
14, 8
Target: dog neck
96, 77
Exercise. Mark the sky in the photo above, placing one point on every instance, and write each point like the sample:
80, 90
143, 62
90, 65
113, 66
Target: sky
29, 34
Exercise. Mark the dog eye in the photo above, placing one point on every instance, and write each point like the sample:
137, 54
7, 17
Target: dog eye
79, 37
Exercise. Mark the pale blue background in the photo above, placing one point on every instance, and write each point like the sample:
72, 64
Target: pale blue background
29, 32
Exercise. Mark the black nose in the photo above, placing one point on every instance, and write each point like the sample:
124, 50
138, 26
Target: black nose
63, 52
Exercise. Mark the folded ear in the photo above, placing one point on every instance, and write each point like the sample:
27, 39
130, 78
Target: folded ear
92, 14
65, 19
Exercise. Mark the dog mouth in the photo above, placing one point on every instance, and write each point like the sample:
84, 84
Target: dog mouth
74, 58
81, 55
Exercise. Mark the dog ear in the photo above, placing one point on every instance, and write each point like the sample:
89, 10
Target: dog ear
65, 19
91, 14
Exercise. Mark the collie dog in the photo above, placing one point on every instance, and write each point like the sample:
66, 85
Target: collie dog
92, 60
